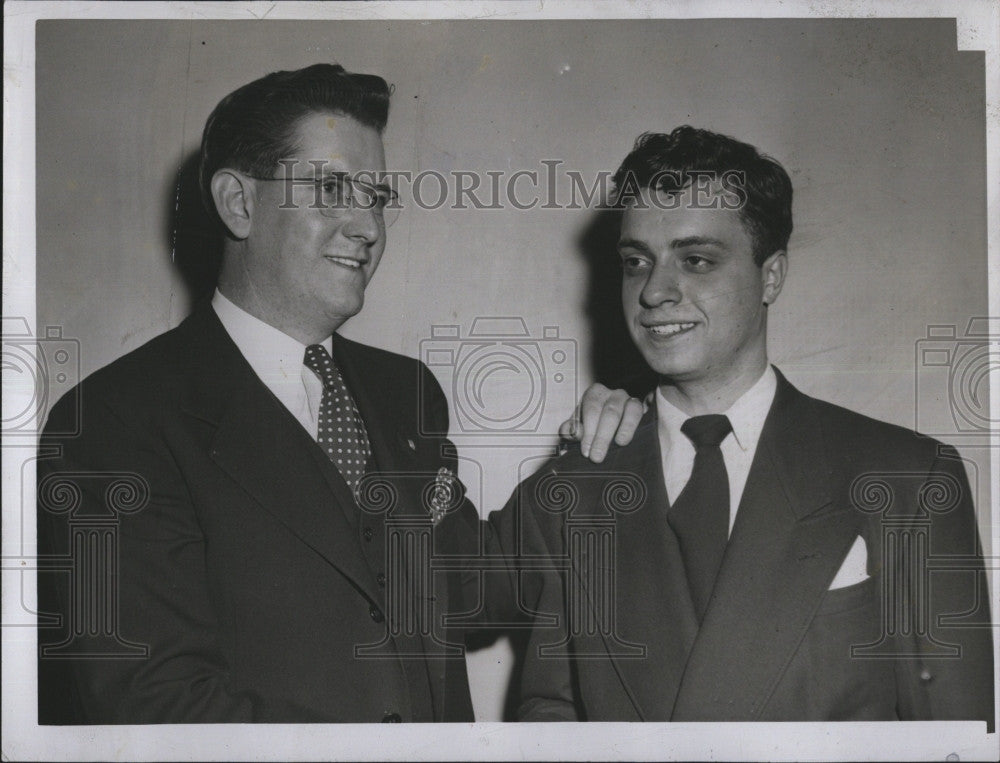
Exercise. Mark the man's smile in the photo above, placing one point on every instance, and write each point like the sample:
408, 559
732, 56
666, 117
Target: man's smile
346, 262
668, 329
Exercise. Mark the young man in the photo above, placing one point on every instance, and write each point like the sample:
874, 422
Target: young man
753, 553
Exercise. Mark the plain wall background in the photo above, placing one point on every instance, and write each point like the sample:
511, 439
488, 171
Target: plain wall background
880, 124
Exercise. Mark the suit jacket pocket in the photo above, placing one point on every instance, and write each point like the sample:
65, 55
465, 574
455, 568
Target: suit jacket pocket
848, 598
824, 682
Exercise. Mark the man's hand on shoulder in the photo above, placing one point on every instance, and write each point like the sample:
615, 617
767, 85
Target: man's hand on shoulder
603, 415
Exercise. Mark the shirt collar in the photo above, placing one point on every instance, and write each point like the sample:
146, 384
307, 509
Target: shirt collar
274, 356
746, 415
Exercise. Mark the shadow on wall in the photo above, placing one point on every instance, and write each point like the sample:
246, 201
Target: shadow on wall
615, 362
193, 236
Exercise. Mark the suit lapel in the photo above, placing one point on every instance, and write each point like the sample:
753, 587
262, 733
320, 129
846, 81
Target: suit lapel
786, 546
654, 608
399, 454
261, 446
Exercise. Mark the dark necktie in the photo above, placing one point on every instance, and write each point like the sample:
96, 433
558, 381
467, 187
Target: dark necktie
341, 432
700, 515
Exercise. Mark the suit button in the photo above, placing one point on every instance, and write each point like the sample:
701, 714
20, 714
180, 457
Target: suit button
376, 614
380, 578
925, 675
369, 534
392, 718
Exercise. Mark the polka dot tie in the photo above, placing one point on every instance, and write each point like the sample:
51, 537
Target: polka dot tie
341, 432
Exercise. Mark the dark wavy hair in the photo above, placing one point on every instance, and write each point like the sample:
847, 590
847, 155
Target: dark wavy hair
254, 126
673, 162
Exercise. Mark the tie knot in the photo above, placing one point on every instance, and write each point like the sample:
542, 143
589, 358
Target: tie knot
319, 361
707, 431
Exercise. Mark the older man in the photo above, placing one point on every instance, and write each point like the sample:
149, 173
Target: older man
252, 582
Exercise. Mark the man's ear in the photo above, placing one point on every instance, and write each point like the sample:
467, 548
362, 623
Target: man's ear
772, 272
234, 201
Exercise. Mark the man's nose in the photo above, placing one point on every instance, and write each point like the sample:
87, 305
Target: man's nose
662, 286
363, 224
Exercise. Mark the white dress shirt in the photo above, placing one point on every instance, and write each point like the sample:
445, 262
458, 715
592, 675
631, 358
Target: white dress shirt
277, 359
747, 417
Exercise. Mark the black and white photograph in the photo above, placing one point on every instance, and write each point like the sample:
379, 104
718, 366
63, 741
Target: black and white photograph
540, 381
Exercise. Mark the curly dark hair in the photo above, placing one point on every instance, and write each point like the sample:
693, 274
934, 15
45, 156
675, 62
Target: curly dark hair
671, 163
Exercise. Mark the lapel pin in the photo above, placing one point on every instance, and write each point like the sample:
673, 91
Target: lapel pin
442, 495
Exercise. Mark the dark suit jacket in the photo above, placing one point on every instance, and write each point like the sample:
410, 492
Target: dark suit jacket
776, 643
241, 588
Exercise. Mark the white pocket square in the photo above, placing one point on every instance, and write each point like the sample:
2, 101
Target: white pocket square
854, 569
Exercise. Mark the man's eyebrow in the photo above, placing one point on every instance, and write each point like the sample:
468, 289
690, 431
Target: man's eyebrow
632, 243
681, 243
